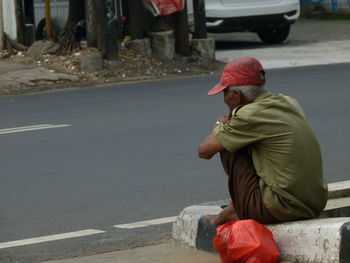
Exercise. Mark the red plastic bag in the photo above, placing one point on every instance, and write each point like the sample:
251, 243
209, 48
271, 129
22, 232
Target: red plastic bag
245, 241
164, 7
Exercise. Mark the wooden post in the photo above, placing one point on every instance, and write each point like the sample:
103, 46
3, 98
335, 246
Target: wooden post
200, 29
101, 19
111, 46
136, 13
107, 31
2, 42
48, 22
118, 9
20, 21
28, 22
182, 42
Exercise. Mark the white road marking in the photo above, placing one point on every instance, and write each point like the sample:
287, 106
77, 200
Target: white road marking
32, 128
337, 203
42, 239
148, 222
88, 232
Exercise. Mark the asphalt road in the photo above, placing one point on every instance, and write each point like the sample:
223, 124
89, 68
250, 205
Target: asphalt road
129, 155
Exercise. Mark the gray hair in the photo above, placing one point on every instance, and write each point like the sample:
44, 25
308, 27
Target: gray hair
250, 92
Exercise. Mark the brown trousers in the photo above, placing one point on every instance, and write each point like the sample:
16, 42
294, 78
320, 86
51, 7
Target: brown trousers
243, 185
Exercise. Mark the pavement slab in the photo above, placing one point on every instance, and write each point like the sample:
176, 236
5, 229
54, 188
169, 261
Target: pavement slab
32, 76
323, 53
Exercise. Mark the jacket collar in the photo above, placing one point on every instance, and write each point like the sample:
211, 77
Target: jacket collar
262, 96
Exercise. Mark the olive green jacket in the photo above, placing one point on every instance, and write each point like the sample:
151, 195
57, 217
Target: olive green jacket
285, 153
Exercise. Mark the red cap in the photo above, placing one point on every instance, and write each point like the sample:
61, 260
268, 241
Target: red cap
241, 71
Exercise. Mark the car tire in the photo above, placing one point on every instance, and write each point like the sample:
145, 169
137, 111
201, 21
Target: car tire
40, 33
274, 35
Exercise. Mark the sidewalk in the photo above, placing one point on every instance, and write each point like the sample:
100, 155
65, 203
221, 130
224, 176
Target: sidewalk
311, 42
163, 253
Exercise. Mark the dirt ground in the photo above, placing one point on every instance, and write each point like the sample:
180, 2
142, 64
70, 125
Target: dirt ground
129, 67
133, 67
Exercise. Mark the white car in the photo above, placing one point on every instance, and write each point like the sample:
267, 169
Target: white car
270, 19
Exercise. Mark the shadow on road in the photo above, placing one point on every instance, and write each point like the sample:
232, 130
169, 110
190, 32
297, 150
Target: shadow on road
238, 44
244, 44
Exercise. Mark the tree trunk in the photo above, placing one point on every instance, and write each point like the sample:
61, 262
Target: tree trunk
101, 26
91, 23
2, 36
182, 42
66, 40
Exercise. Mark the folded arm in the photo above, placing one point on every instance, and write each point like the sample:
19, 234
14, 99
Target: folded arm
210, 147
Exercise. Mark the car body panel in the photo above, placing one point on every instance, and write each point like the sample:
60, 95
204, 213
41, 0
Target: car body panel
238, 3
213, 10
271, 17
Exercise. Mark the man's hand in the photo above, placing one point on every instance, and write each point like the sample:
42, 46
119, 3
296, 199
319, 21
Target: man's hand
211, 145
224, 119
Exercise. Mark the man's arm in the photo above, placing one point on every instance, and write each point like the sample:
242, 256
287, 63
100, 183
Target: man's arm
210, 147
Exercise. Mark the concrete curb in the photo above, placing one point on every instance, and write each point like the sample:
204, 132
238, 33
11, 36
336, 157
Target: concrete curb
322, 240
339, 190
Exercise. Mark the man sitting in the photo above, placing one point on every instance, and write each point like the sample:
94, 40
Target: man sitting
268, 151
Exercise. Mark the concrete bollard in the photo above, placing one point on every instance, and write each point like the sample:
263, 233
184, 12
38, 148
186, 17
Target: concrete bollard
140, 46
203, 48
185, 227
310, 241
317, 241
91, 61
339, 189
162, 44
321, 240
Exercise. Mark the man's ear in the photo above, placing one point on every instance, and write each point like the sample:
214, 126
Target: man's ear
237, 95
